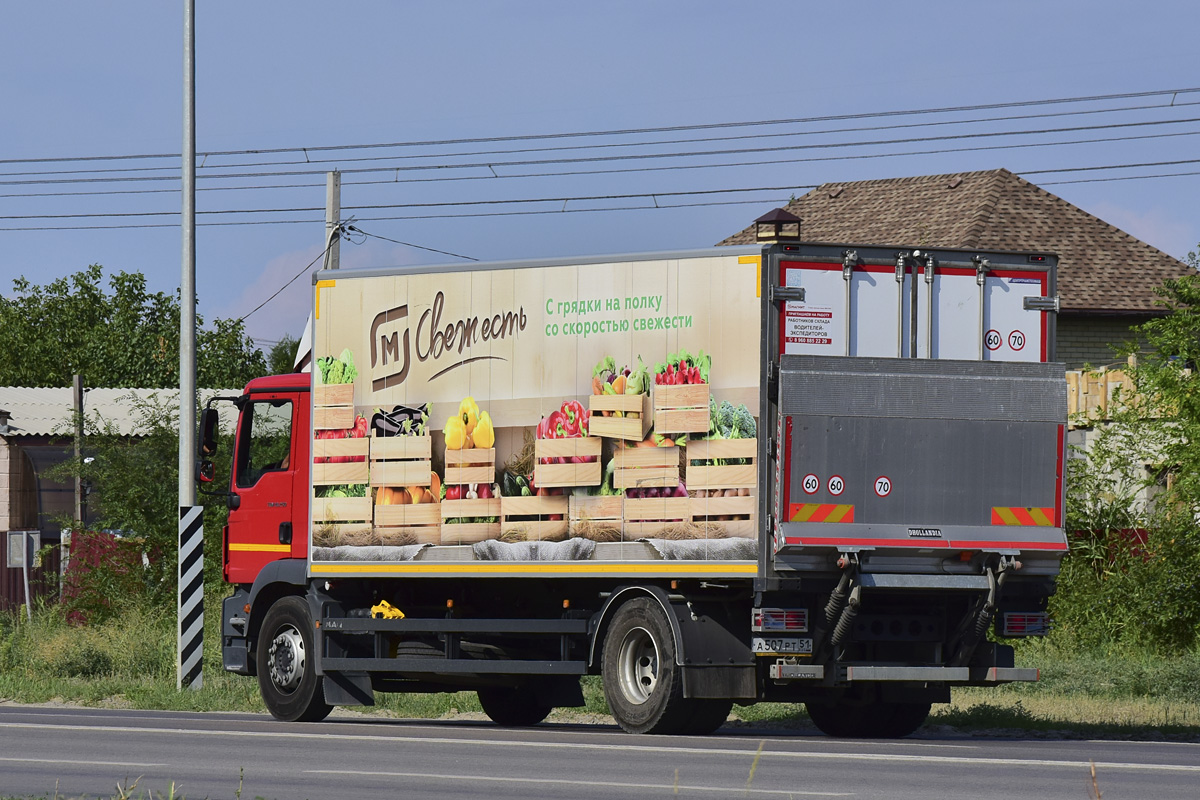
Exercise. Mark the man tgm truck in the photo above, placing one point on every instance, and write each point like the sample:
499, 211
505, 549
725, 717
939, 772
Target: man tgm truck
816, 473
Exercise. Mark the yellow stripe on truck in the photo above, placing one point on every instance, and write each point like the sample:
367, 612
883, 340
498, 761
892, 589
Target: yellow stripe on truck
757, 261
259, 548
321, 285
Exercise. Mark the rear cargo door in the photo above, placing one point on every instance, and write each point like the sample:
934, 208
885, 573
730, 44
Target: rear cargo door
922, 455
914, 406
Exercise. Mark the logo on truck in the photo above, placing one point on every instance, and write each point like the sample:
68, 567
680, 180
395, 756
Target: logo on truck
392, 341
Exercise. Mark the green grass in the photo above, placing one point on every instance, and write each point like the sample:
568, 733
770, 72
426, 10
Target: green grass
129, 662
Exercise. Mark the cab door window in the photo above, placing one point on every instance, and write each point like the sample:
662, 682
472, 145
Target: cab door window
265, 440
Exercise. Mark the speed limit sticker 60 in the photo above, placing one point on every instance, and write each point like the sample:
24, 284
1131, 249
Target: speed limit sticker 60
811, 484
836, 485
883, 486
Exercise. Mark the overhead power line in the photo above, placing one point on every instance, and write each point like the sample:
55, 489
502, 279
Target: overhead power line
610, 145
492, 165
410, 244
627, 131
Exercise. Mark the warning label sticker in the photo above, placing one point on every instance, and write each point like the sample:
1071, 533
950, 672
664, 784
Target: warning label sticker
808, 324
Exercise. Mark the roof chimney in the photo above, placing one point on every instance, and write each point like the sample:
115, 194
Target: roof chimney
776, 225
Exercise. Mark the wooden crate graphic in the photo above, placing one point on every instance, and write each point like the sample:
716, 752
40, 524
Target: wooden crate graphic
646, 467
401, 460
634, 429
423, 521
469, 532
470, 466
599, 512
681, 409
342, 520
651, 515
738, 513
702, 474
325, 474
333, 407
528, 515
549, 475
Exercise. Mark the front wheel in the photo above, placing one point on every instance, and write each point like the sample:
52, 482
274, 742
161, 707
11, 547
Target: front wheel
642, 683
287, 676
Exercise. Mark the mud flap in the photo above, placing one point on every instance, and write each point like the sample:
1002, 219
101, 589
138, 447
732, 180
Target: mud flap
349, 689
720, 683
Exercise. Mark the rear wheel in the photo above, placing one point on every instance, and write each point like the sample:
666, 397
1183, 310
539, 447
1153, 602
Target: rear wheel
287, 676
706, 715
841, 719
513, 706
877, 720
642, 683
905, 719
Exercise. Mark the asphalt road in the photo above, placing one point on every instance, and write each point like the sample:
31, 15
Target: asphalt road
88, 752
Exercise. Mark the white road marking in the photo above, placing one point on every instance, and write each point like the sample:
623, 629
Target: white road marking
728, 791
31, 760
632, 747
410, 724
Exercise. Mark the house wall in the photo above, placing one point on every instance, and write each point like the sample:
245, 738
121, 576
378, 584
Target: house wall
1084, 340
18, 492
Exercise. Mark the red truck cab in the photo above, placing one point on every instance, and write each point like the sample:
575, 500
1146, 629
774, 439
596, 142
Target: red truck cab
269, 487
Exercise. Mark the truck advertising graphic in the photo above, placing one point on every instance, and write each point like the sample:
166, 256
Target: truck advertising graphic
818, 473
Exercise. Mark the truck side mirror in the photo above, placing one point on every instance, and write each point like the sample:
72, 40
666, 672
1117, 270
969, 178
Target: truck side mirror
208, 433
205, 472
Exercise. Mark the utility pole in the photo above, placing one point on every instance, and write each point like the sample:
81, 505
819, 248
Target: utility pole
333, 213
190, 611
187, 317
77, 393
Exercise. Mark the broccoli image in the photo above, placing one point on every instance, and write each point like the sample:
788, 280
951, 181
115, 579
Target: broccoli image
743, 424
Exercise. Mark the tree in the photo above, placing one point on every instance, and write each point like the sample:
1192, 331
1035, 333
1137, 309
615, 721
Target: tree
128, 337
1133, 575
133, 480
282, 358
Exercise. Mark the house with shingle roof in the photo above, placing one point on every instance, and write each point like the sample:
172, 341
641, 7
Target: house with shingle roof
1106, 277
36, 434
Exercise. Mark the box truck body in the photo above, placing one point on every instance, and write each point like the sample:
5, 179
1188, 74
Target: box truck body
800, 472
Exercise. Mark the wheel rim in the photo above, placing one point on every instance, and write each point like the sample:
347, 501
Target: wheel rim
286, 659
638, 662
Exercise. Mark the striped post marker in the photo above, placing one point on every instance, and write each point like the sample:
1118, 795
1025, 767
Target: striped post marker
191, 597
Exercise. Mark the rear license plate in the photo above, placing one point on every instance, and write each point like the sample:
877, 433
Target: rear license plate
781, 645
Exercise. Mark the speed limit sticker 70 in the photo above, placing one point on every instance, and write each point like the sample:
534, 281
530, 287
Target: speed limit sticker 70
811, 484
883, 486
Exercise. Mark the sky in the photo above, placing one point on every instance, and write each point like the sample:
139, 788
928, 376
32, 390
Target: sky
97, 80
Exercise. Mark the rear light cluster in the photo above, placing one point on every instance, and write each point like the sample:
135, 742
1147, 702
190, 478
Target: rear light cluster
764, 620
1025, 623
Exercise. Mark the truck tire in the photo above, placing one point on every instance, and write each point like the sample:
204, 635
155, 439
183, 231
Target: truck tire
706, 716
905, 718
868, 721
513, 706
842, 720
287, 676
642, 683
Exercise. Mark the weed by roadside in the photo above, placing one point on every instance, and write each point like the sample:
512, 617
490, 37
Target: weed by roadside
128, 661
